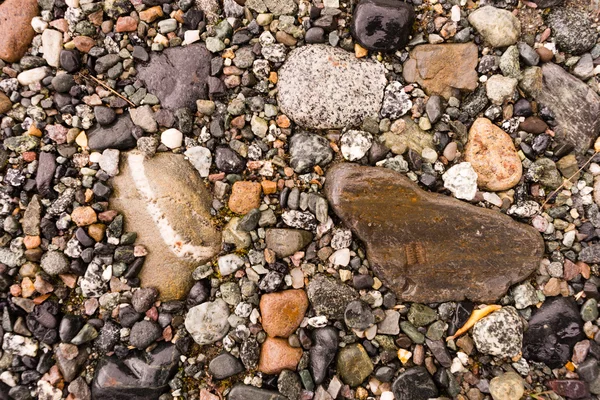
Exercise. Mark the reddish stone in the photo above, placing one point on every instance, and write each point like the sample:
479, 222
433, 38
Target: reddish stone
283, 312
126, 24
15, 28
83, 216
245, 196
276, 355
571, 388
84, 43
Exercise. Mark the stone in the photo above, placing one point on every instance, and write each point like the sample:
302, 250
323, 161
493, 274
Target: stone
508, 386
500, 88
500, 333
308, 150
325, 87
414, 246
396, 102
461, 180
493, 156
286, 242
405, 135
15, 28
572, 29
151, 194
571, 388
34, 75
144, 333
421, 315
178, 75
447, 70
5, 104
276, 355
229, 263
224, 366
282, 312
329, 297
575, 107
55, 263
354, 364
52, 43
498, 27
207, 322
323, 351
358, 315
414, 384
116, 136
144, 118
245, 196
382, 25
281, 7
552, 331
104, 115
244, 392
201, 159
355, 144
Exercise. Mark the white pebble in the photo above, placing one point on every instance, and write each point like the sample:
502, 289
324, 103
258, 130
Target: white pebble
229, 263
429, 155
297, 278
52, 43
38, 24
455, 16
318, 322
461, 180
340, 257
190, 37
32, 76
172, 138
387, 396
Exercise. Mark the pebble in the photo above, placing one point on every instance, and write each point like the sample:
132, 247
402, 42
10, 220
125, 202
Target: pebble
355, 144
224, 366
245, 196
207, 322
461, 180
508, 386
172, 138
498, 27
500, 333
276, 355
283, 312
354, 364
229, 263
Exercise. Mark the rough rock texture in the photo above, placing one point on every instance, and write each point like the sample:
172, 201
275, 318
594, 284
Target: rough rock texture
407, 136
329, 297
414, 384
285, 242
575, 105
282, 312
153, 194
324, 87
429, 247
207, 322
498, 27
572, 29
115, 136
178, 75
500, 333
444, 69
493, 156
243, 392
15, 28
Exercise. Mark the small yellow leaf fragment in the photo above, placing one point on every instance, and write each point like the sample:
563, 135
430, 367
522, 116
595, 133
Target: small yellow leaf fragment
475, 316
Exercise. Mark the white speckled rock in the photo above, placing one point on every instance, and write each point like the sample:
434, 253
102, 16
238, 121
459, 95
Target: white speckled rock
19, 345
355, 144
109, 161
508, 386
201, 159
461, 180
207, 322
396, 102
324, 87
229, 264
500, 88
500, 333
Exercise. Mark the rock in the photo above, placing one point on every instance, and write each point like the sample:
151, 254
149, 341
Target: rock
396, 102
382, 25
508, 386
552, 332
500, 88
405, 134
548, 3
104, 115
19, 345
570, 388
115, 136
499, 28
151, 193
55, 263
285, 242
229, 161
547, 173
224, 366
243, 392
572, 29
5, 104
229, 263
308, 150
207, 322
444, 69
32, 76
172, 138
178, 75
575, 106
140, 376
15, 28
32, 217
354, 364
144, 333
324, 87
421, 315
524, 295
52, 43
143, 299
509, 62
144, 118
281, 7
109, 162
425, 237
492, 154
461, 180
500, 333
283, 312
329, 297
414, 384
323, 351
355, 144
245, 196
358, 315
201, 159
276, 355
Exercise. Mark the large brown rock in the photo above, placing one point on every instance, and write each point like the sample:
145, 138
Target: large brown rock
15, 28
282, 312
164, 200
428, 247
444, 69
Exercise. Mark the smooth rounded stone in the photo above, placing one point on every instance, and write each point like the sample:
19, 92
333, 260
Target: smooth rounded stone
324, 87
140, 376
444, 69
575, 107
315, 35
358, 315
571, 388
412, 240
52, 43
414, 384
500, 88
500, 333
533, 125
104, 115
355, 144
70, 60
286, 242
322, 353
572, 29
151, 193
207, 322
5, 103
589, 310
329, 297
552, 331
282, 312
229, 161
144, 333
382, 25
276, 355
498, 27
54, 262
528, 54
15, 28
116, 136
421, 315
178, 75
354, 364
308, 150
245, 196
493, 156
508, 386
143, 299
62, 83
224, 366
34, 75
244, 392
461, 180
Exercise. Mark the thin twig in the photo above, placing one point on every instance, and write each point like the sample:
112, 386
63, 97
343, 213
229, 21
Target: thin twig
571, 177
98, 81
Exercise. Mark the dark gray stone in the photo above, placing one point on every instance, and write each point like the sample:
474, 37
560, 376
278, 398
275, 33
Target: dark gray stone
116, 136
572, 29
244, 392
224, 366
308, 150
414, 384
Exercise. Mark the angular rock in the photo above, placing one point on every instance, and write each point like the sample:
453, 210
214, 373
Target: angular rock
178, 75
575, 105
329, 297
163, 199
414, 384
324, 87
498, 27
116, 136
382, 25
500, 333
429, 247
444, 69
285, 242
283, 312
15, 28
323, 352
308, 150
207, 322
244, 392
493, 156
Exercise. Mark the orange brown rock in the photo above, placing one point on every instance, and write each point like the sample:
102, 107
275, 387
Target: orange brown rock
83, 216
15, 28
245, 196
283, 312
276, 355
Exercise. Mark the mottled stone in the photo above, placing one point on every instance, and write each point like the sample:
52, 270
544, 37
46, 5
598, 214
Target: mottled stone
443, 69
414, 384
354, 364
500, 333
283, 312
572, 29
498, 27
243, 392
330, 297
15, 28
118, 135
285, 242
428, 247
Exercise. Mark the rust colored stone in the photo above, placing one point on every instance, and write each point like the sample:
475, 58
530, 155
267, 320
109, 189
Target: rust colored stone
15, 28
282, 312
245, 196
83, 216
459, 251
276, 355
5, 104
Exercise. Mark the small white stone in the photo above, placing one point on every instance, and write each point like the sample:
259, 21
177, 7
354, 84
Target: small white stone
297, 278
457, 366
461, 180
429, 155
569, 238
387, 396
19, 345
455, 13
95, 157
355, 144
190, 37
371, 332
52, 43
340, 257
109, 161
230, 263
201, 158
9, 378
32, 76
331, 3
172, 138
318, 322
259, 126
492, 198
38, 24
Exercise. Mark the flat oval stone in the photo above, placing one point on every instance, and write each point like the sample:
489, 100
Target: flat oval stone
15, 28
498, 27
324, 87
283, 312
427, 247
163, 199
493, 156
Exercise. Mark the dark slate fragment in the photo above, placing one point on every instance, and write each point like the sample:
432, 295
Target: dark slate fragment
45, 173
323, 352
244, 392
116, 136
414, 384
